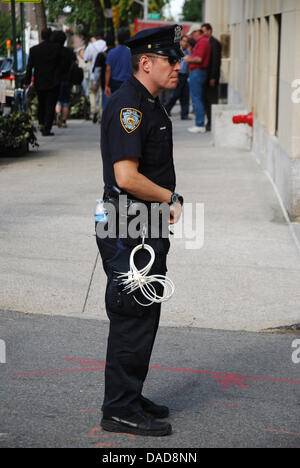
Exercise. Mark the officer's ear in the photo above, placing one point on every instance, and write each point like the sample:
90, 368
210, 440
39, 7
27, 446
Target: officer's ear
146, 63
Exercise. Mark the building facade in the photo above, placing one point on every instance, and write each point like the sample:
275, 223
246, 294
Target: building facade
29, 12
264, 77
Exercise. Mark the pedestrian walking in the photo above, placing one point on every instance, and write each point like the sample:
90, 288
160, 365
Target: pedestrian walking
137, 154
86, 71
181, 92
198, 64
85, 84
68, 57
211, 89
20, 57
45, 60
100, 72
90, 55
118, 65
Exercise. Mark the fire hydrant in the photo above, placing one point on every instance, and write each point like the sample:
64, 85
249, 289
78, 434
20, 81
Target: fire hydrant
243, 119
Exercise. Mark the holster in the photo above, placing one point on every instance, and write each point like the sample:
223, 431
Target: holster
124, 218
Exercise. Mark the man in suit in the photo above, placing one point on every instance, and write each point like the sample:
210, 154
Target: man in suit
211, 90
45, 59
65, 87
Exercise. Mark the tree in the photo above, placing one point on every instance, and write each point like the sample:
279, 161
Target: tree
192, 10
90, 15
129, 9
87, 15
6, 31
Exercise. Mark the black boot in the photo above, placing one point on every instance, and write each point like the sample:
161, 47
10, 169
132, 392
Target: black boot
157, 411
140, 424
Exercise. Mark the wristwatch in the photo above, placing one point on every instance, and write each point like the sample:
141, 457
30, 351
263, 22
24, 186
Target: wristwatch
175, 197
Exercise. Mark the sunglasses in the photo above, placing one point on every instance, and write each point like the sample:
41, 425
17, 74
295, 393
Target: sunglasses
172, 60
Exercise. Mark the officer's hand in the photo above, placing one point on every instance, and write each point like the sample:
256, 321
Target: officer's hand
107, 91
175, 212
212, 83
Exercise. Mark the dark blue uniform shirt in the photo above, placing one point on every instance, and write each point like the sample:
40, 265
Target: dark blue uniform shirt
136, 125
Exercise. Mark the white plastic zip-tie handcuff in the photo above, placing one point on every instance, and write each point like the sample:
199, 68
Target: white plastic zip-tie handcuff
137, 279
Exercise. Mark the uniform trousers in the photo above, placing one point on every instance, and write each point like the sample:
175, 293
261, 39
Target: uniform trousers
132, 328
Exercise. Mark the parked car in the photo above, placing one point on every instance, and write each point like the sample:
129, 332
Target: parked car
5, 67
7, 77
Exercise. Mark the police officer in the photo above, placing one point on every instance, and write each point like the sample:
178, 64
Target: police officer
137, 153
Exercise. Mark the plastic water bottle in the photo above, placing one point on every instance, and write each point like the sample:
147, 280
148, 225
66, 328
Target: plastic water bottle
101, 215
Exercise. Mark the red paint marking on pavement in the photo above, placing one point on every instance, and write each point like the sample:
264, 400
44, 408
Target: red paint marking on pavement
178, 369
282, 432
85, 361
93, 433
105, 444
56, 371
130, 436
228, 405
226, 379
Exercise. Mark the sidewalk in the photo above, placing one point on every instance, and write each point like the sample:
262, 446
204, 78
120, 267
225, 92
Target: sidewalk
246, 276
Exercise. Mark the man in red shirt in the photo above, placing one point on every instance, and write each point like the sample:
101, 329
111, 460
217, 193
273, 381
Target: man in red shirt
198, 64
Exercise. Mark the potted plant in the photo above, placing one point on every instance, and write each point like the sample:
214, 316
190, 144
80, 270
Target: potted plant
16, 133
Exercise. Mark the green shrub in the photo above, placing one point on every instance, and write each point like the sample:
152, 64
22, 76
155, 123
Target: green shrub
17, 129
79, 107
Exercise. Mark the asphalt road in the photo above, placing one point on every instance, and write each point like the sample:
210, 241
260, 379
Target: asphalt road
224, 389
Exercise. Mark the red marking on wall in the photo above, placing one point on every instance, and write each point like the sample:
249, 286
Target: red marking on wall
282, 432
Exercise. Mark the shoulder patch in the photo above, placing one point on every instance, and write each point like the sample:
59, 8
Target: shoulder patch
130, 119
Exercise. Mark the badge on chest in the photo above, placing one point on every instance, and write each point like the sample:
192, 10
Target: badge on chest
130, 119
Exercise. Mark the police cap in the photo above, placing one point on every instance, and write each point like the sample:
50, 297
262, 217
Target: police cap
163, 41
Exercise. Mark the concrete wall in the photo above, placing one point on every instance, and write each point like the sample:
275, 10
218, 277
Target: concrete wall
254, 83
